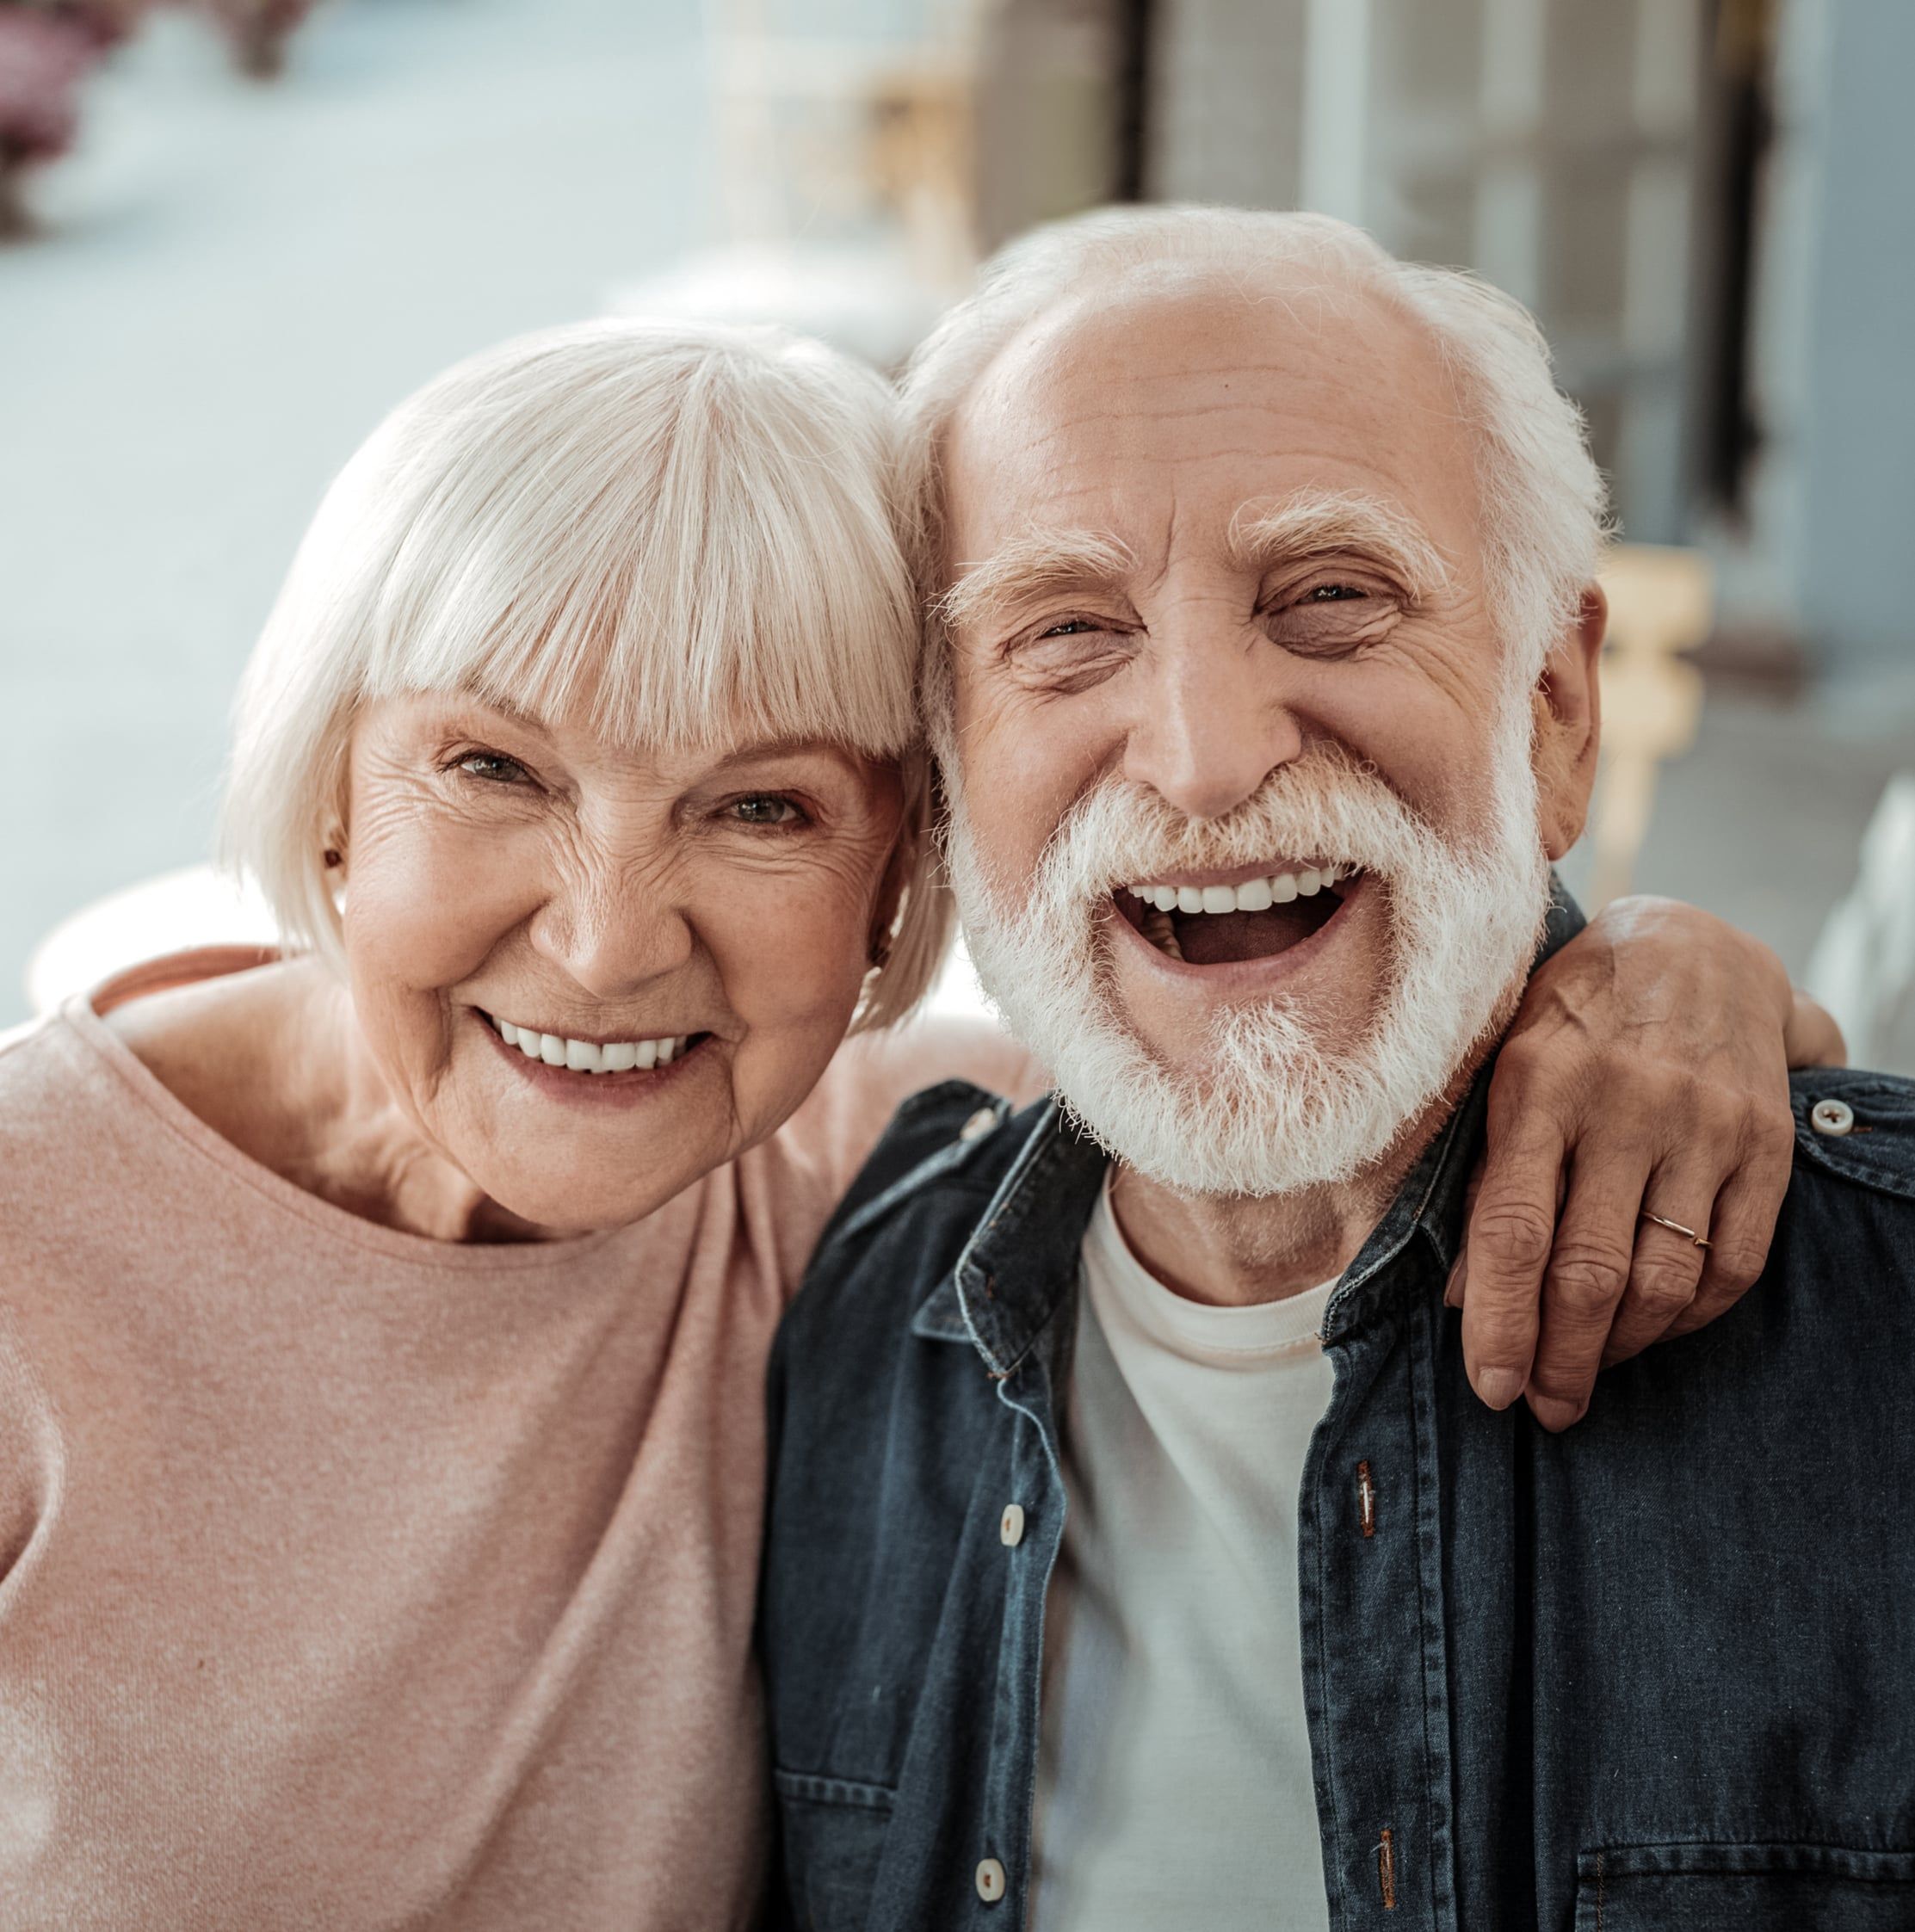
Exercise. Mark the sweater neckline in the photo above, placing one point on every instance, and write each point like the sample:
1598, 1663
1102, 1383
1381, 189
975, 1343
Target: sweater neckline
82, 1017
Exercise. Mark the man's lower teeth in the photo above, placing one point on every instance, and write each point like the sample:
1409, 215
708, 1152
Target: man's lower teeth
1161, 933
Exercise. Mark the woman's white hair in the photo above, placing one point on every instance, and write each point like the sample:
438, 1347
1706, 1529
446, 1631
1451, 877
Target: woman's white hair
693, 531
1545, 506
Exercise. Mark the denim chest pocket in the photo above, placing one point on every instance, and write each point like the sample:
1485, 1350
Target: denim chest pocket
832, 1833
1745, 1888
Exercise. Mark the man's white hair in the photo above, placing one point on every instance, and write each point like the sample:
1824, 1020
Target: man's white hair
1544, 503
693, 530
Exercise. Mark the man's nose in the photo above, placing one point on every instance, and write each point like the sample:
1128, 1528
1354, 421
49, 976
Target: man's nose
1213, 724
614, 929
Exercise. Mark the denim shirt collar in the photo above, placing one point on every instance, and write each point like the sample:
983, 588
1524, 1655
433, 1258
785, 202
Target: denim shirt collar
1022, 1258
1022, 1255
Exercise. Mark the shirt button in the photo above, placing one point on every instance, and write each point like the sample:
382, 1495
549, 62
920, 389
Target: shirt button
1834, 1117
1010, 1525
991, 1881
982, 1121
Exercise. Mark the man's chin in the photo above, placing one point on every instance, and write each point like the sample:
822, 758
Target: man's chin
1255, 1107
1269, 1102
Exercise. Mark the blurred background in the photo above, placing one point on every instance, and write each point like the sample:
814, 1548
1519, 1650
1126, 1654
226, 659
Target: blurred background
236, 231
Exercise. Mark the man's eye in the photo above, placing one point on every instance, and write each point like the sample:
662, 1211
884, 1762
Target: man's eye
494, 767
1332, 619
765, 809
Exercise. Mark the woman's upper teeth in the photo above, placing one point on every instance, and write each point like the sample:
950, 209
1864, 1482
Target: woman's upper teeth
590, 1056
1254, 895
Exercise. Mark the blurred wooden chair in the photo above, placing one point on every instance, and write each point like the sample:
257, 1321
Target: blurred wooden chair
1662, 603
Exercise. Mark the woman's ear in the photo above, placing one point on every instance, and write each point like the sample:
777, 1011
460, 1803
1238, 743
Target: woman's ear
1567, 706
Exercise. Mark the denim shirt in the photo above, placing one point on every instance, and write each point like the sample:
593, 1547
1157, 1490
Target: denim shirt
1657, 1671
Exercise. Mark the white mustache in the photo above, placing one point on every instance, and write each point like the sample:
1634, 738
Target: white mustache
1326, 807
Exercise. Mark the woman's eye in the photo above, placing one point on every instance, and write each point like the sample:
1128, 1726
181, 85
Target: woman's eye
1071, 627
764, 809
1334, 593
494, 767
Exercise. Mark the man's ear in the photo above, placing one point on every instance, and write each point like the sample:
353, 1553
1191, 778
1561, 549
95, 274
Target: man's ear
1568, 720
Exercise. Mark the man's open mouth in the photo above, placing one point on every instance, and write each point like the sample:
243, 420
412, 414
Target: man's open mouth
1253, 918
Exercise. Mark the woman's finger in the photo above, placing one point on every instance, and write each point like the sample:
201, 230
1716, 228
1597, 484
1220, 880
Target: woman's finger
1666, 1269
1588, 1272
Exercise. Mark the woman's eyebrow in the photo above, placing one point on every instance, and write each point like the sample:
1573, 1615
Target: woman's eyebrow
765, 750
1043, 562
467, 692
1320, 523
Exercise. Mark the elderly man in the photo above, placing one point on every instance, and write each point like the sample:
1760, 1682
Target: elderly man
1138, 1557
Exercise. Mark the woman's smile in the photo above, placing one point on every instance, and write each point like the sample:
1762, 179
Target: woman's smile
592, 1071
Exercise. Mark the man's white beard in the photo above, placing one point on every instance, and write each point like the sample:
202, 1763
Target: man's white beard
1267, 1108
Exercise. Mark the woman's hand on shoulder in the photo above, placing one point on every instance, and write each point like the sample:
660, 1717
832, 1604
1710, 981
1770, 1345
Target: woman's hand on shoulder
1645, 1074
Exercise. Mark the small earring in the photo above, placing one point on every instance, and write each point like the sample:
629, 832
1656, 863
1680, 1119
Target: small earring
335, 858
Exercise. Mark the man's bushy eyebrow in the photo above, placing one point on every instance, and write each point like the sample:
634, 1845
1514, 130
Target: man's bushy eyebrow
1329, 523
1029, 567
1263, 533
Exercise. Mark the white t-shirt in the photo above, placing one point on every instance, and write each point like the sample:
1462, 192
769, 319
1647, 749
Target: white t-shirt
1174, 1787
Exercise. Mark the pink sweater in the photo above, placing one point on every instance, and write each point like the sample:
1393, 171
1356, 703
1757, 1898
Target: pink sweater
349, 1579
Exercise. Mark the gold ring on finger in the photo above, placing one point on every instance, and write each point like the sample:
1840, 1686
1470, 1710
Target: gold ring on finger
1675, 1227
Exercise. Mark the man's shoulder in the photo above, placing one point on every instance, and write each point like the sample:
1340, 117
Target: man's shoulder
916, 1203
1855, 1129
1841, 1268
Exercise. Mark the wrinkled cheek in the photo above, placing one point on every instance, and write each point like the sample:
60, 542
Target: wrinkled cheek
802, 980
792, 977
423, 917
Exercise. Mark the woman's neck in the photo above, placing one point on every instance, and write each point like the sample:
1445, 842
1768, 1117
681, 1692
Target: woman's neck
275, 1062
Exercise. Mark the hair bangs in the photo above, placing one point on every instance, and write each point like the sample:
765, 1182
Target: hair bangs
716, 563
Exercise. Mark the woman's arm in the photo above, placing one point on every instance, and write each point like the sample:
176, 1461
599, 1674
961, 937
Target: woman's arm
1647, 1072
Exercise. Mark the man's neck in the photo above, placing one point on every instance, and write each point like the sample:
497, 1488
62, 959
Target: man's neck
1236, 1250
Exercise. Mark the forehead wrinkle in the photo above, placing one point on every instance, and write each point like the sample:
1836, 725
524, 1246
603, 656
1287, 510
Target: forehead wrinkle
1320, 522
1036, 436
1030, 566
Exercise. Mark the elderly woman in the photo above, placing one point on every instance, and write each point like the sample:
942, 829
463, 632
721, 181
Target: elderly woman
382, 1327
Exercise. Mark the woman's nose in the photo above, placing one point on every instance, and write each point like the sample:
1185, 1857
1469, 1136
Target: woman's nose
1211, 725
614, 931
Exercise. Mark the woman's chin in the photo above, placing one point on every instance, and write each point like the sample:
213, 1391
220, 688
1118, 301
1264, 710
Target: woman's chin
558, 1154
562, 1201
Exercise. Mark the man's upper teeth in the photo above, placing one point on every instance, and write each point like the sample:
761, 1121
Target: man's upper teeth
1254, 895
590, 1056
